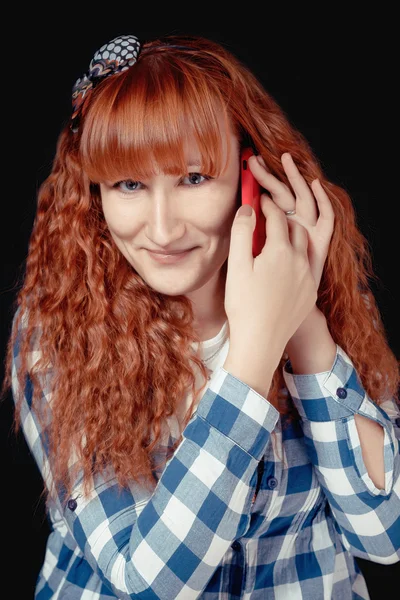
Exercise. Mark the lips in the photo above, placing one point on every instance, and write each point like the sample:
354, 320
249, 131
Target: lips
170, 258
170, 252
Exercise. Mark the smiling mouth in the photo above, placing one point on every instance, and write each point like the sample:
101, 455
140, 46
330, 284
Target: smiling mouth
170, 258
162, 253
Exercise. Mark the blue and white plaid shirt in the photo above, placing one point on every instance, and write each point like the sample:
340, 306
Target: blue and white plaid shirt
200, 534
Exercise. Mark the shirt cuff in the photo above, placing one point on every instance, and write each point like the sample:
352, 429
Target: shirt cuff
239, 412
337, 395
313, 394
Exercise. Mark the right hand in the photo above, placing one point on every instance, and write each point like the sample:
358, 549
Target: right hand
269, 296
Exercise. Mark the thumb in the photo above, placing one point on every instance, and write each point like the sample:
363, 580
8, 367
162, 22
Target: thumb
240, 251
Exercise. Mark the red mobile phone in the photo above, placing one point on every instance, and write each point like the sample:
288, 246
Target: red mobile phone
251, 194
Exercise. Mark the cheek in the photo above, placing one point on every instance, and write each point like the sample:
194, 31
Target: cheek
121, 222
219, 211
122, 243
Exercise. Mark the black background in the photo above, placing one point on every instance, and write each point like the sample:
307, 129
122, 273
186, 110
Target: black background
335, 76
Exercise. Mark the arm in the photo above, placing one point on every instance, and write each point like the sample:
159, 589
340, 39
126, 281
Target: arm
351, 442
314, 351
200, 505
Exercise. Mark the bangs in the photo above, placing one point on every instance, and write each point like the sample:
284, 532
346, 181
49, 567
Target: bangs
140, 122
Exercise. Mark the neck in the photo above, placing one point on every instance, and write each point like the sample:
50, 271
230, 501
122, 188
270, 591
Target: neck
209, 308
210, 329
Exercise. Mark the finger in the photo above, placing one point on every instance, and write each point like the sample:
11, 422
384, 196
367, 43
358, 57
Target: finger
268, 181
240, 248
305, 202
298, 237
276, 223
326, 212
296, 180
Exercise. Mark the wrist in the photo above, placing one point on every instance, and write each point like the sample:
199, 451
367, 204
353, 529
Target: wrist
257, 374
312, 324
315, 351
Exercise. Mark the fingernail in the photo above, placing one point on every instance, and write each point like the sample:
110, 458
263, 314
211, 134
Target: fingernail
261, 161
244, 210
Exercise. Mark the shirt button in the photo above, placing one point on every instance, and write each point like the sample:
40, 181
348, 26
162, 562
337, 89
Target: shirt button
236, 546
72, 504
272, 482
341, 393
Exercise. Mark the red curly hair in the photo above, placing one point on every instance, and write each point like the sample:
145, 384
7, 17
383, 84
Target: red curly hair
102, 329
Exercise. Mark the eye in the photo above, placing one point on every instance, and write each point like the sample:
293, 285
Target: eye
126, 186
129, 186
194, 176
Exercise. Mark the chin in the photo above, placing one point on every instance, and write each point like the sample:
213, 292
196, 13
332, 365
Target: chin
169, 287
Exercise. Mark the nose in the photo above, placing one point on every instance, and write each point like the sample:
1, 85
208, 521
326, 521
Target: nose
165, 222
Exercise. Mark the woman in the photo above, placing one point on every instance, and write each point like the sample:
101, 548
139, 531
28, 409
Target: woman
210, 424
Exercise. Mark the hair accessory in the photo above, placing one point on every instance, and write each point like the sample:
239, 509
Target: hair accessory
115, 56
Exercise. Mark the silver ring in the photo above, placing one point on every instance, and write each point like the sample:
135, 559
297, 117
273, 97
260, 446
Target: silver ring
290, 212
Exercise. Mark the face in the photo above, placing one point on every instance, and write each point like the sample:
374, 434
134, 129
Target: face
175, 213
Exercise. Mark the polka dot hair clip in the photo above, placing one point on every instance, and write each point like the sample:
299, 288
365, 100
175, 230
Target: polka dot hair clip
114, 57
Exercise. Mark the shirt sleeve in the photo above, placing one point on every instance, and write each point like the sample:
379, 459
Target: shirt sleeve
368, 517
169, 543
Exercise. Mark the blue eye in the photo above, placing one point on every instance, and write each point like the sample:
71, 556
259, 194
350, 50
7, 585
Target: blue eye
192, 175
128, 186
126, 182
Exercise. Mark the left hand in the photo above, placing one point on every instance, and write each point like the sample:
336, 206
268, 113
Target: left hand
307, 202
